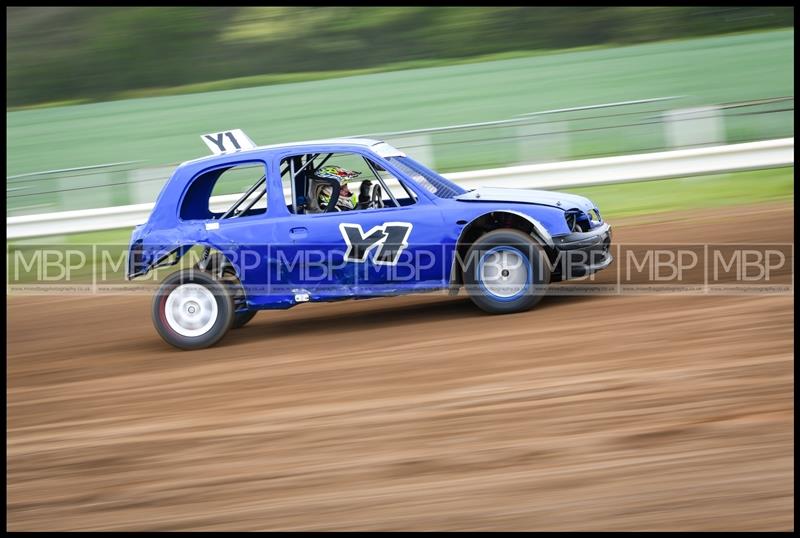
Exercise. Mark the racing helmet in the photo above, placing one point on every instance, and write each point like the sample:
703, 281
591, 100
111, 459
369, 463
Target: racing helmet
338, 173
342, 176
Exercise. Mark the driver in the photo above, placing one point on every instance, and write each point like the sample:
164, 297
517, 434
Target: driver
347, 200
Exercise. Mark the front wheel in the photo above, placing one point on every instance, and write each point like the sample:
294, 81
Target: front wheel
192, 310
506, 271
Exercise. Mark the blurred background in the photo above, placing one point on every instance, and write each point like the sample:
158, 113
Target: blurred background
661, 412
102, 103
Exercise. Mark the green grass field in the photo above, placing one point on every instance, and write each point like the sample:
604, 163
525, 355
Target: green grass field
162, 130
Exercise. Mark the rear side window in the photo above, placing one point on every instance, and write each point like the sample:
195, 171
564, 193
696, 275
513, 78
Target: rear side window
216, 192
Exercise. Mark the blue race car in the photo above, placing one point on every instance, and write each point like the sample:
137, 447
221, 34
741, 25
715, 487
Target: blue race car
347, 219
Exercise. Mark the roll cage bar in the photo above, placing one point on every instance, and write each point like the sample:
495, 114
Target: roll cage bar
294, 161
262, 182
300, 183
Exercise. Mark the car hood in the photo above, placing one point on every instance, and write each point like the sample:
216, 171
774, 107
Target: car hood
559, 200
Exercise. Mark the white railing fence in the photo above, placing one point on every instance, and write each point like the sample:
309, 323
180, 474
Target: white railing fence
598, 171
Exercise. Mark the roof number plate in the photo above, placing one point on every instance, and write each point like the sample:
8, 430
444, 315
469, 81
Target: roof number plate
228, 141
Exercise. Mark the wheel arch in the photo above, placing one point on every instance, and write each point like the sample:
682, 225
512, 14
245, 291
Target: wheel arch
180, 250
217, 269
494, 220
212, 253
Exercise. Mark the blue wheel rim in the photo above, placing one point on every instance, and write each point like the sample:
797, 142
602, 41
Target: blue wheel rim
504, 273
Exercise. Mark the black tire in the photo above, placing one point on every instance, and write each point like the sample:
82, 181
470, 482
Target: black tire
241, 319
506, 271
214, 305
227, 275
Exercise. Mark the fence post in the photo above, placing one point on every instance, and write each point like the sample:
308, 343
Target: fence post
543, 141
84, 192
694, 126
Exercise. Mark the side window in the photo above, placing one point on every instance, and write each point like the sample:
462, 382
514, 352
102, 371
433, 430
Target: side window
403, 195
359, 182
222, 191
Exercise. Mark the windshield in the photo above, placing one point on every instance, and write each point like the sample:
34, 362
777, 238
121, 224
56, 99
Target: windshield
427, 179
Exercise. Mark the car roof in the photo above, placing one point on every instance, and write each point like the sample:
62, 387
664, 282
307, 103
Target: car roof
345, 142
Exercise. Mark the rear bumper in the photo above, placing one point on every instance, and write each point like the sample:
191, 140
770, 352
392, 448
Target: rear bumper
581, 253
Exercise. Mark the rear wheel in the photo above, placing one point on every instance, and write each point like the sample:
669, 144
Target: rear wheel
506, 271
191, 310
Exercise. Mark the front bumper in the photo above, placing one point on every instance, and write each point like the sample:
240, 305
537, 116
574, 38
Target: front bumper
581, 253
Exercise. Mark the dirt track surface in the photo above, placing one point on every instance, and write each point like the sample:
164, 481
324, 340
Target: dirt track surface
414, 413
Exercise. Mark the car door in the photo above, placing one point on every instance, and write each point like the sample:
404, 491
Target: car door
366, 252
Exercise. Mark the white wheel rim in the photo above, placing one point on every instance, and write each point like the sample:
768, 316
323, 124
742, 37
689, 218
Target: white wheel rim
191, 310
504, 273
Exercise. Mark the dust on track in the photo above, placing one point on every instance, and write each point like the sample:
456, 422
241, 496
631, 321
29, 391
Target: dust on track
415, 413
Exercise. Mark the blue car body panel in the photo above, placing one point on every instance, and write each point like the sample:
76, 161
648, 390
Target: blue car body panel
269, 249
